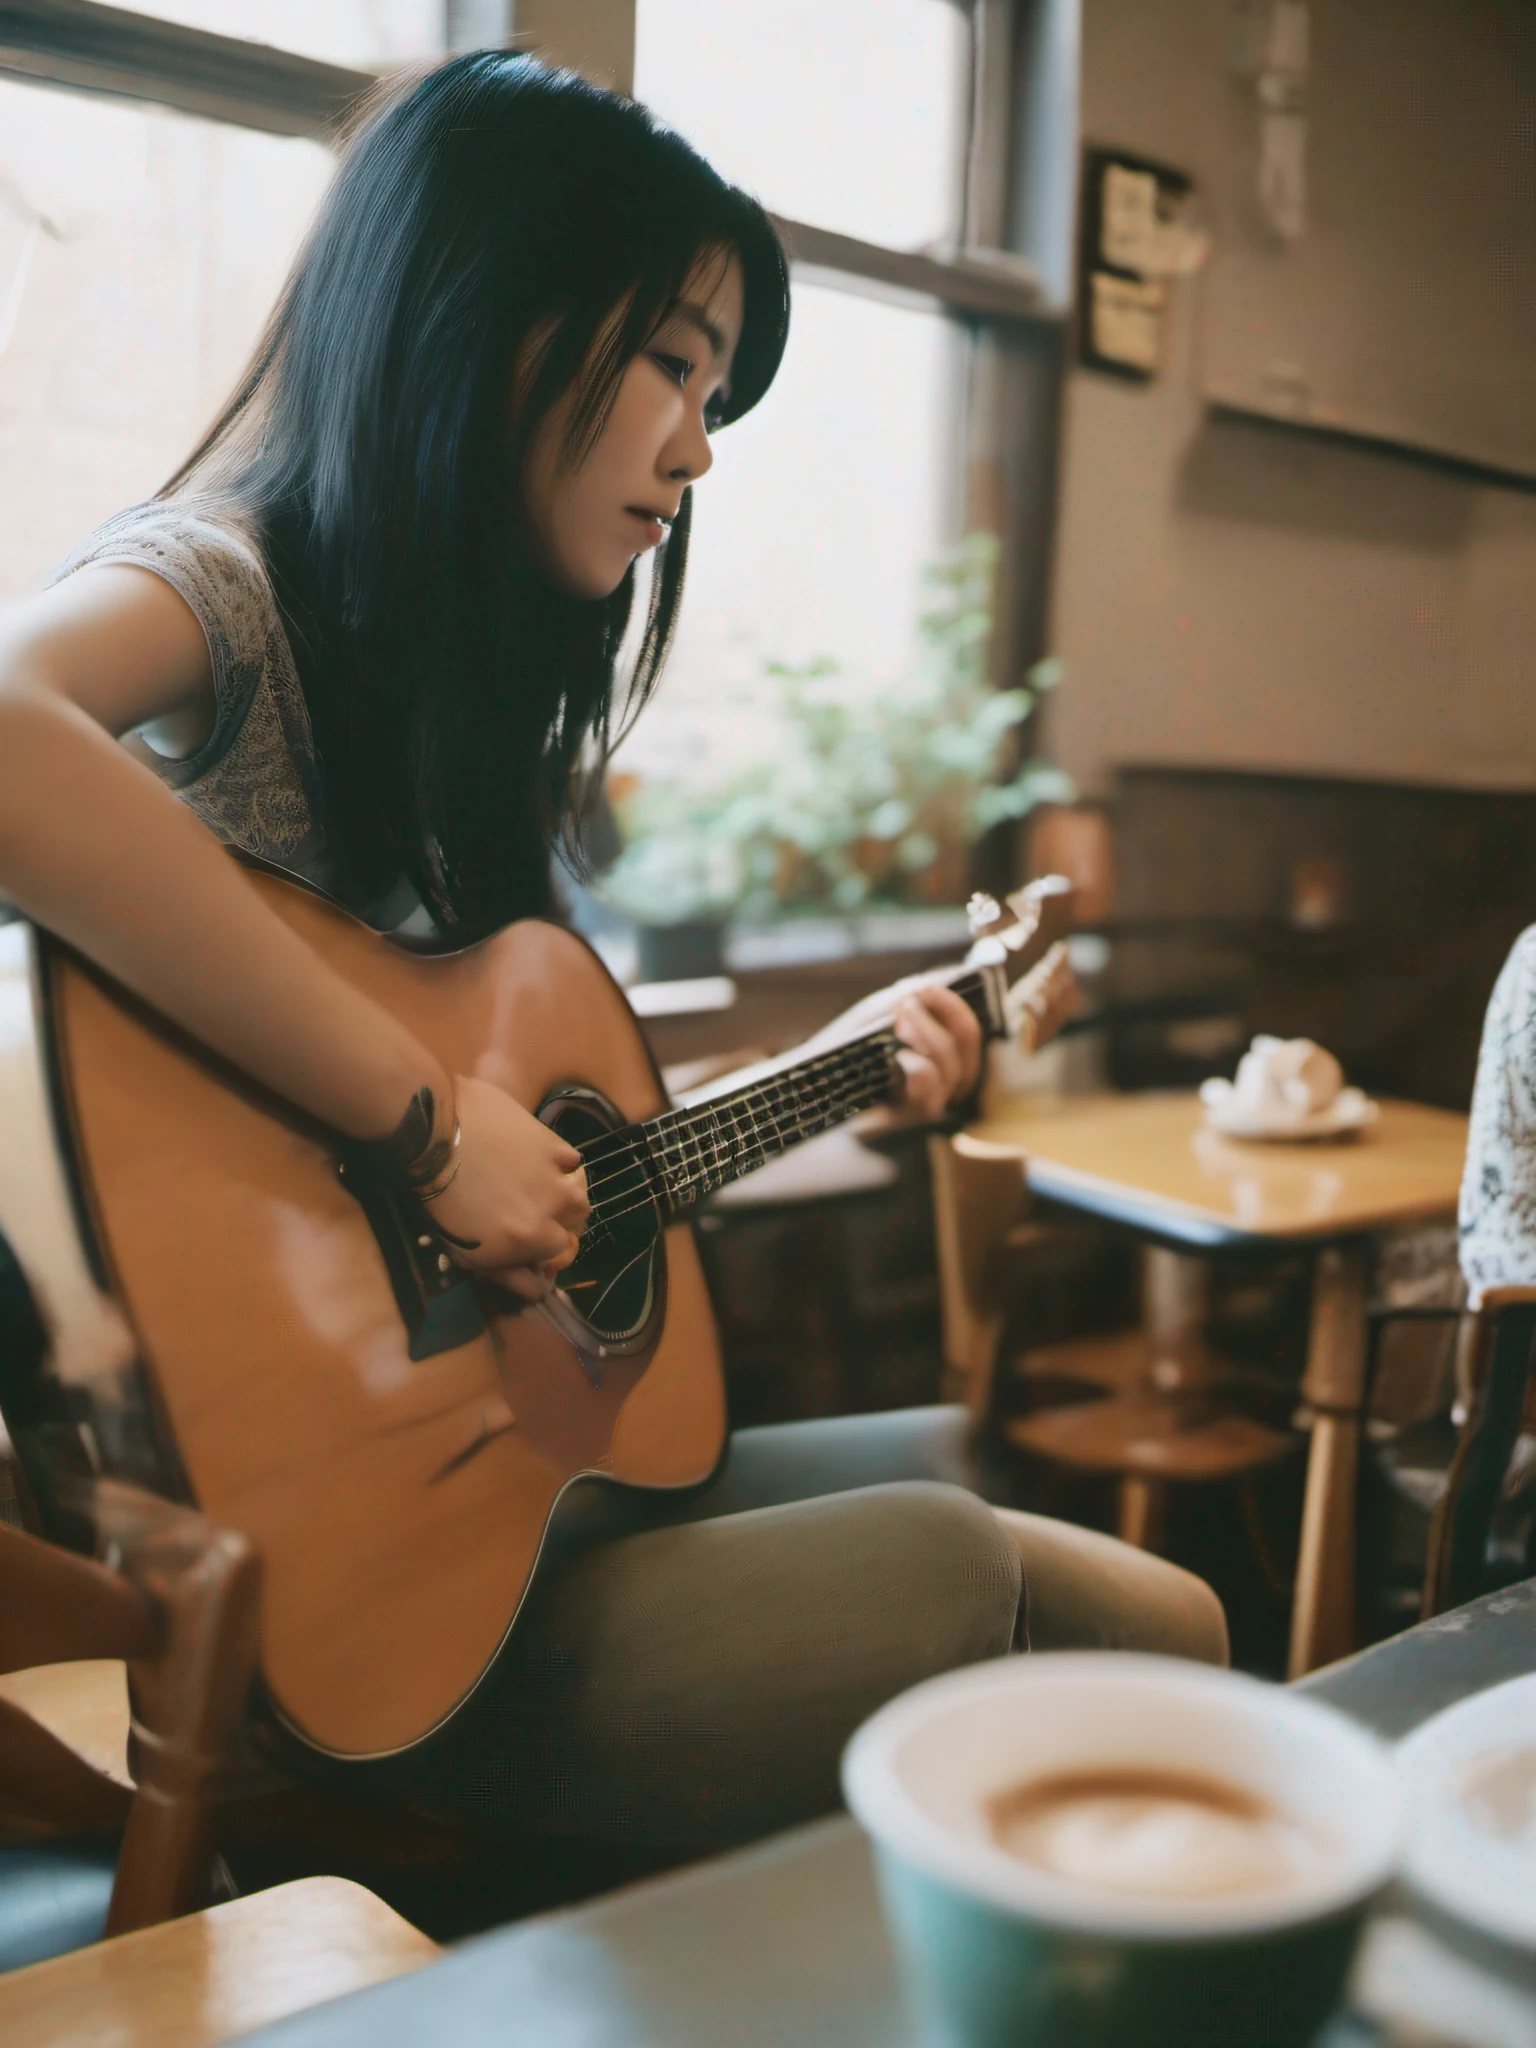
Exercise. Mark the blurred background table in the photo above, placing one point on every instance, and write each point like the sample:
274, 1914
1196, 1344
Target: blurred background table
1151, 1164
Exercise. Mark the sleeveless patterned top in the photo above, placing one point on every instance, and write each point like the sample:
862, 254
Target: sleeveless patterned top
254, 783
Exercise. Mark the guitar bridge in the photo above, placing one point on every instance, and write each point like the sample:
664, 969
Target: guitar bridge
435, 1297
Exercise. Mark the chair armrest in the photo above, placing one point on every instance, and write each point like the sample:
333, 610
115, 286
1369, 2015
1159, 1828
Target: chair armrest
188, 1694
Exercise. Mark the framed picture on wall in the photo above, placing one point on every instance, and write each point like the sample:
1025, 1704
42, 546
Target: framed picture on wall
1131, 228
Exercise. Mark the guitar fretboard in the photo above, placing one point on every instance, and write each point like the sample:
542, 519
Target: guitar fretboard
677, 1158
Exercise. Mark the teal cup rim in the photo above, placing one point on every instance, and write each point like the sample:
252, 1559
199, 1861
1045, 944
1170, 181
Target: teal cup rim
1300, 1731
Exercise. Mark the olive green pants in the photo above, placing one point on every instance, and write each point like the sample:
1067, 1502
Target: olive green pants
687, 1670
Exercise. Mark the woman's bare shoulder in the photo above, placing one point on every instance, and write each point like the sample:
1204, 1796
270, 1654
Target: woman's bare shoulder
119, 641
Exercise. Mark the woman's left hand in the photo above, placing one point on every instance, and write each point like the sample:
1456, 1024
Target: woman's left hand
940, 1056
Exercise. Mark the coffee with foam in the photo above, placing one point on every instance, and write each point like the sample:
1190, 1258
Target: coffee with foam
1498, 1795
1152, 1833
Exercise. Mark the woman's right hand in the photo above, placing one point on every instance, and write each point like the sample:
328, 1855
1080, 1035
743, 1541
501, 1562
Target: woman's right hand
520, 1191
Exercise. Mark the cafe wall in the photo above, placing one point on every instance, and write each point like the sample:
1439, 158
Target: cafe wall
1237, 594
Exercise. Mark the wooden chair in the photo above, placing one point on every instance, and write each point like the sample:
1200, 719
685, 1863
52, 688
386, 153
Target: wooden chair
1478, 1537
1143, 1407
180, 1612
87, 1850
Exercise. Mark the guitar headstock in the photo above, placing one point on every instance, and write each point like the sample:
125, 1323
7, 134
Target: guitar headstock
1023, 927
1025, 935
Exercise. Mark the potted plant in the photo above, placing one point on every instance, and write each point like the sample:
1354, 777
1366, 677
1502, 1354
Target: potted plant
867, 795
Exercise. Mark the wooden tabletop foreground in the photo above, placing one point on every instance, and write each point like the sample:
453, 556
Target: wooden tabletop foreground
1151, 1161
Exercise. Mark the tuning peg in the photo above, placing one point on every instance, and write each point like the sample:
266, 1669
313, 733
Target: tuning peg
1028, 903
982, 914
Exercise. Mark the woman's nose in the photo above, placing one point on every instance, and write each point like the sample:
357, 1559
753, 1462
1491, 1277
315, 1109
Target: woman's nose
690, 454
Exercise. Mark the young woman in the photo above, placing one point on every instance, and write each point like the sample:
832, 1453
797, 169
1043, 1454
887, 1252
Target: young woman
372, 632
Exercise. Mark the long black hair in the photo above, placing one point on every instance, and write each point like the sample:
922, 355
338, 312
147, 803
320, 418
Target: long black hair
494, 214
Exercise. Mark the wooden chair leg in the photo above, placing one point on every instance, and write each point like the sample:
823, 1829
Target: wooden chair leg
189, 1697
1323, 1617
1141, 1511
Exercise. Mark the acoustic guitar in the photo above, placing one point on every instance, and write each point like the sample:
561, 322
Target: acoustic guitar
194, 1296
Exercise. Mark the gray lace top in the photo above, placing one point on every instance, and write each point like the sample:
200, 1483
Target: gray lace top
254, 783
1498, 1190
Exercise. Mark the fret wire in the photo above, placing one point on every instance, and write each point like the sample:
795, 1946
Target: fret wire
782, 1113
771, 1094
781, 1099
784, 1123
683, 1127
834, 1108
764, 1121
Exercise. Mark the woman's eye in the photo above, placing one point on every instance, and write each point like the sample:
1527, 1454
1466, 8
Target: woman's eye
678, 368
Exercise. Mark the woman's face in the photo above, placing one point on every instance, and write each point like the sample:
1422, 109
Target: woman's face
590, 521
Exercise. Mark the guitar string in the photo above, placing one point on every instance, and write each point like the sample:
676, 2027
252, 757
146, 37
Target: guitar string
968, 984
678, 1126
729, 1144
859, 1084
831, 1110
696, 1129
768, 1121
857, 1093
726, 1148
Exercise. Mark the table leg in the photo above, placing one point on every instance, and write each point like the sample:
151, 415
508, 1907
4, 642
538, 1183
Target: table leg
1176, 1298
1323, 1616
1140, 1518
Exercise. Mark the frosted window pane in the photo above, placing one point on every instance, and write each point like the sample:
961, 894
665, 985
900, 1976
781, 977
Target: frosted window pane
844, 113
122, 337
372, 34
811, 531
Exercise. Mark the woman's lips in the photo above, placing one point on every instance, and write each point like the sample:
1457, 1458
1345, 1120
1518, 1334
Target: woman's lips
653, 528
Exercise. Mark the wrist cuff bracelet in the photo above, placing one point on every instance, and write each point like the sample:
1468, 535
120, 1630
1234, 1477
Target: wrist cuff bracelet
412, 1164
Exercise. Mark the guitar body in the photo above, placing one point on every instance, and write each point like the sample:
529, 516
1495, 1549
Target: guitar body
398, 1501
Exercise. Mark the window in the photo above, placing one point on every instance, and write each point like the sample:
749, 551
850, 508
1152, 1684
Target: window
140, 252
849, 115
811, 531
825, 506
371, 34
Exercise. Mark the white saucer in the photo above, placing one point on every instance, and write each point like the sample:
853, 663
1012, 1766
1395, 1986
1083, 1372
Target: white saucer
1349, 1111
1470, 1874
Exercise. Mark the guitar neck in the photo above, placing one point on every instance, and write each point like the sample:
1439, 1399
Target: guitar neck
684, 1154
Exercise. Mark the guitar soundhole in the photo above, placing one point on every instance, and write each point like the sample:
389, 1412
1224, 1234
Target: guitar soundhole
613, 1291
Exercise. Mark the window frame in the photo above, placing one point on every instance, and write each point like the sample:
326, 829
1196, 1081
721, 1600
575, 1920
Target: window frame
86, 46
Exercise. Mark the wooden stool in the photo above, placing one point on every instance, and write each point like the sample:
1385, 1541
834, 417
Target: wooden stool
1149, 1439
1177, 1423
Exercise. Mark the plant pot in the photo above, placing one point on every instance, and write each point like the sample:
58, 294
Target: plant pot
682, 952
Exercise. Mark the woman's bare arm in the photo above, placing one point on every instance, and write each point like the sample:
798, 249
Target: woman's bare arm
96, 849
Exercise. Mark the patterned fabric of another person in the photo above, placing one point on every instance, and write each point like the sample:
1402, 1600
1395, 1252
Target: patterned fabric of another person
1498, 1189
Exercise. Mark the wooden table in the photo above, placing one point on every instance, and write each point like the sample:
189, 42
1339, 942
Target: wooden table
784, 1945
1152, 1164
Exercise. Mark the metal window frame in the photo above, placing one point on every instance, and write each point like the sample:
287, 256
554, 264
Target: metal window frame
85, 46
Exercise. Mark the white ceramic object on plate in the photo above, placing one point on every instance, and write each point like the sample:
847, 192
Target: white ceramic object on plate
1225, 1111
1480, 1874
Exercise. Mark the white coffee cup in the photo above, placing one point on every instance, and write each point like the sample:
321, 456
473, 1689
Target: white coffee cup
1473, 1879
999, 1951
